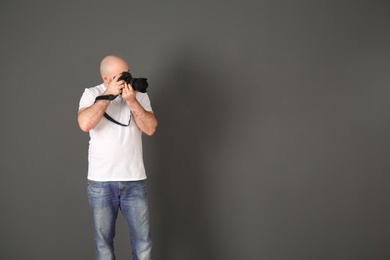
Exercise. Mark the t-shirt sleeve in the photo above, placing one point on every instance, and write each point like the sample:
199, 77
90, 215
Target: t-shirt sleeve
144, 100
87, 99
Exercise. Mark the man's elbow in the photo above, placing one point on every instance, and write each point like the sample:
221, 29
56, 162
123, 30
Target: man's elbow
84, 129
150, 131
84, 126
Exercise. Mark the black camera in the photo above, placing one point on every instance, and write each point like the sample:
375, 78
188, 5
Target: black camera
138, 84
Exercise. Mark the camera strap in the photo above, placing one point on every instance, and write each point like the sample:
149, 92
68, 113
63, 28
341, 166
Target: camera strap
110, 97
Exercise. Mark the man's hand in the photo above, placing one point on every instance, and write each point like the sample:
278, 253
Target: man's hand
128, 93
114, 87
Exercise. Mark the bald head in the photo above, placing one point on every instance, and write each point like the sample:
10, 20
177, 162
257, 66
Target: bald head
112, 66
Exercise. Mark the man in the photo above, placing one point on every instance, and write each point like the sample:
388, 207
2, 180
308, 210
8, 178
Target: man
116, 173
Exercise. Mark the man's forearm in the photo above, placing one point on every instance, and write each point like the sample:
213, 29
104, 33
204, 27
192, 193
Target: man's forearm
145, 120
89, 117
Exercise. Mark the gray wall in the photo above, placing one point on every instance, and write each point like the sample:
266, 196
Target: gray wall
273, 137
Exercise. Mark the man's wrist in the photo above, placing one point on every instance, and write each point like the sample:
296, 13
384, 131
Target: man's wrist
132, 103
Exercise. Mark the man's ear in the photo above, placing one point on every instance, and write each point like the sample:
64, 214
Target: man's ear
105, 78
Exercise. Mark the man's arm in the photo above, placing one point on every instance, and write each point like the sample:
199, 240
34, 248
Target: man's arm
145, 120
89, 117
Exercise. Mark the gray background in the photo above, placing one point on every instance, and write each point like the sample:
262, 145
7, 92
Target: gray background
273, 137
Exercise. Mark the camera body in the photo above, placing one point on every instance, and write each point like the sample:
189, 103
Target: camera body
138, 84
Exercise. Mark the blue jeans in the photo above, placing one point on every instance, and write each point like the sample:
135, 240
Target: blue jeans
105, 198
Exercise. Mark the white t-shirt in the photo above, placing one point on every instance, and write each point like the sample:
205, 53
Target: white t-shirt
115, 152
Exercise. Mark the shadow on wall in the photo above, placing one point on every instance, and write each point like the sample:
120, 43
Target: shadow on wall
189, 124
